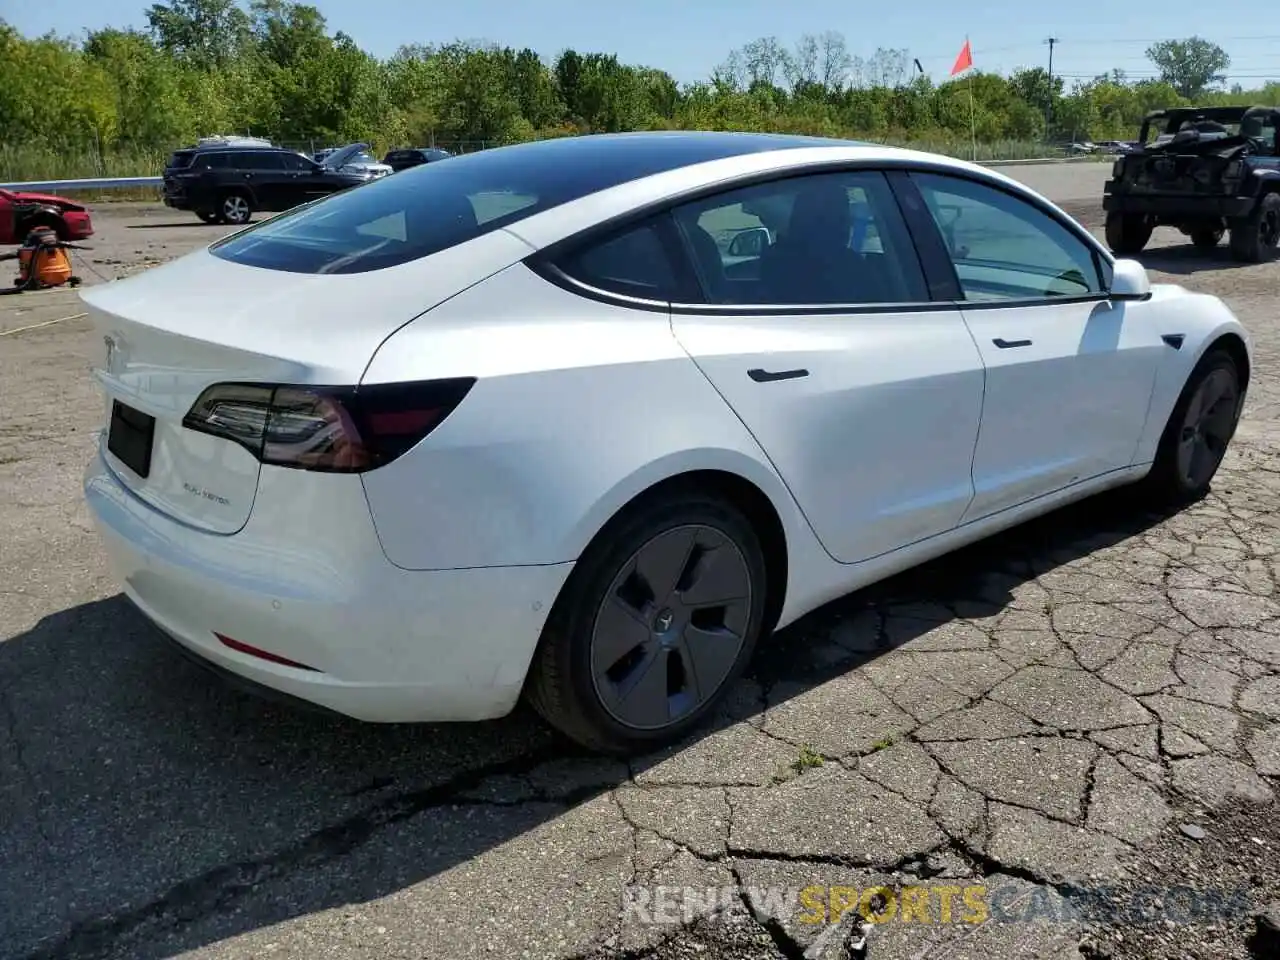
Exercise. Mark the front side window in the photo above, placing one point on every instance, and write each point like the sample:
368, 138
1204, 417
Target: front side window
1004, 248
823, 239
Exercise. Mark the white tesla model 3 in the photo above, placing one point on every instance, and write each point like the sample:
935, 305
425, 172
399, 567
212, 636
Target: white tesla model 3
584, 418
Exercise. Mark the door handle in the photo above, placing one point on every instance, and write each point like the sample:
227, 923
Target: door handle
1006, 344
765, 376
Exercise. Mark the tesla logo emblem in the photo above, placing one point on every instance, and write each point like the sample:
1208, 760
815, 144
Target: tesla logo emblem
662, 622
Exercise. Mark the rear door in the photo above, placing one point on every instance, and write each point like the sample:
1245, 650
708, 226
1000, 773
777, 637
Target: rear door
271, 183
864, 394
1069, 372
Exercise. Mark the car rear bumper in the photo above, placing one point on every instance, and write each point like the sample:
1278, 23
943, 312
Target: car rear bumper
384, 644
1177, 206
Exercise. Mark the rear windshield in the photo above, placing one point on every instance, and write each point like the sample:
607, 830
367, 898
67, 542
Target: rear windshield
430, 207
179, 160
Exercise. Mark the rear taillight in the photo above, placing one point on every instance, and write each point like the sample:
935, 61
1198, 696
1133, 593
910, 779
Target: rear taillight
332, 429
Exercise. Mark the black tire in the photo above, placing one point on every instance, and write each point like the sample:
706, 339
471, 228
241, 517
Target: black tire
1207, 239
1127, 233
209, 216
235, 207
562, 684
1255, 237
1168, 482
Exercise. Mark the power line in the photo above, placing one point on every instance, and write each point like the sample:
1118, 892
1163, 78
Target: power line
979, 50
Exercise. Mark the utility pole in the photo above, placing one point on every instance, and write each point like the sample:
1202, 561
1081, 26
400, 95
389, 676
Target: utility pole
1048, 107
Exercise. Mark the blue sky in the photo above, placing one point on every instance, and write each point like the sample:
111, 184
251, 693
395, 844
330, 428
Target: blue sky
689, 37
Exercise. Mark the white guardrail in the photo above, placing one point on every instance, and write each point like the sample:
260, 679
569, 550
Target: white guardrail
89, 183
133, 183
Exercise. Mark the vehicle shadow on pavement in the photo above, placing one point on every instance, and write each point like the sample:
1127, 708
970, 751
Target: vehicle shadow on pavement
1189, 260
148, 809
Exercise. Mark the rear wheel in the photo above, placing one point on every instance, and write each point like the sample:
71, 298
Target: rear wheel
235, 208
209, 216
1127, 233
1207, 238
1202, 424
1254, 237
657, 621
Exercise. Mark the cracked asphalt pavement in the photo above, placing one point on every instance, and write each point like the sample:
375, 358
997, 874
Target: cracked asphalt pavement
1041, 731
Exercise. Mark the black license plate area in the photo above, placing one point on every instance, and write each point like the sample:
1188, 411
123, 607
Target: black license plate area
130, 436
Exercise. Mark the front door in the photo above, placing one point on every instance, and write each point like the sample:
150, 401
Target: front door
1069, 372
295, 185
818, 333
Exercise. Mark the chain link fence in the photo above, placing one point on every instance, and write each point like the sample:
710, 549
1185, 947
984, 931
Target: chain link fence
313, 146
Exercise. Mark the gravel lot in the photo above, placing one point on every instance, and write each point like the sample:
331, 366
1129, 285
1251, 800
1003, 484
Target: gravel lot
1031, 731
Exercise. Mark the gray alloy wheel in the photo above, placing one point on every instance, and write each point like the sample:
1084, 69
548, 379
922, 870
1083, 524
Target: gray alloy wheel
1207, 427
670, 627
235, 208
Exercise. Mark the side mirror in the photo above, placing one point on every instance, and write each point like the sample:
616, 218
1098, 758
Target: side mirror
749, 243
1129, 281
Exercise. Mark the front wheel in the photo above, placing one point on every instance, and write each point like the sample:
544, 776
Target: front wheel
1254, 237
657, 621
1127, 233
1202, 424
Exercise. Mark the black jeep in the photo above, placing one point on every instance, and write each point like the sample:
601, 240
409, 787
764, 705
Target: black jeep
1208, 170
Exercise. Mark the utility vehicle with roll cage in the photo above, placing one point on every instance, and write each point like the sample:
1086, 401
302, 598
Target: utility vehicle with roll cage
1209, 171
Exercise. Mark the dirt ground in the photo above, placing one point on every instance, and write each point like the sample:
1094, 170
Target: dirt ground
1076, 726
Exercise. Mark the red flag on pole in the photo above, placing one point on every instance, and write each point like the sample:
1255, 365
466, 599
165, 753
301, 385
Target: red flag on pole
965, 60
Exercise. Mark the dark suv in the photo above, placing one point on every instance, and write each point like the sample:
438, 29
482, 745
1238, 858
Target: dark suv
226, 183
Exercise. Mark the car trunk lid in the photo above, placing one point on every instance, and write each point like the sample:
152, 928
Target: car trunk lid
170, 333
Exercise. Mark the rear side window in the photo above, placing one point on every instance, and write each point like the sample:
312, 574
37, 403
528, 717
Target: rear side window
440, 205
180, 160
214, 161
264, 160
633, 263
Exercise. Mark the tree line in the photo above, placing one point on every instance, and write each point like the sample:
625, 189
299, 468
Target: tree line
114, 100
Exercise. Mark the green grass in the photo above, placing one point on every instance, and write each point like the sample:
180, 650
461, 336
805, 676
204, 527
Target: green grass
809, 759
31, 162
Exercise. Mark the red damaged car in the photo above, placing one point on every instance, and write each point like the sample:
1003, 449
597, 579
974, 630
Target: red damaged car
21, 212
